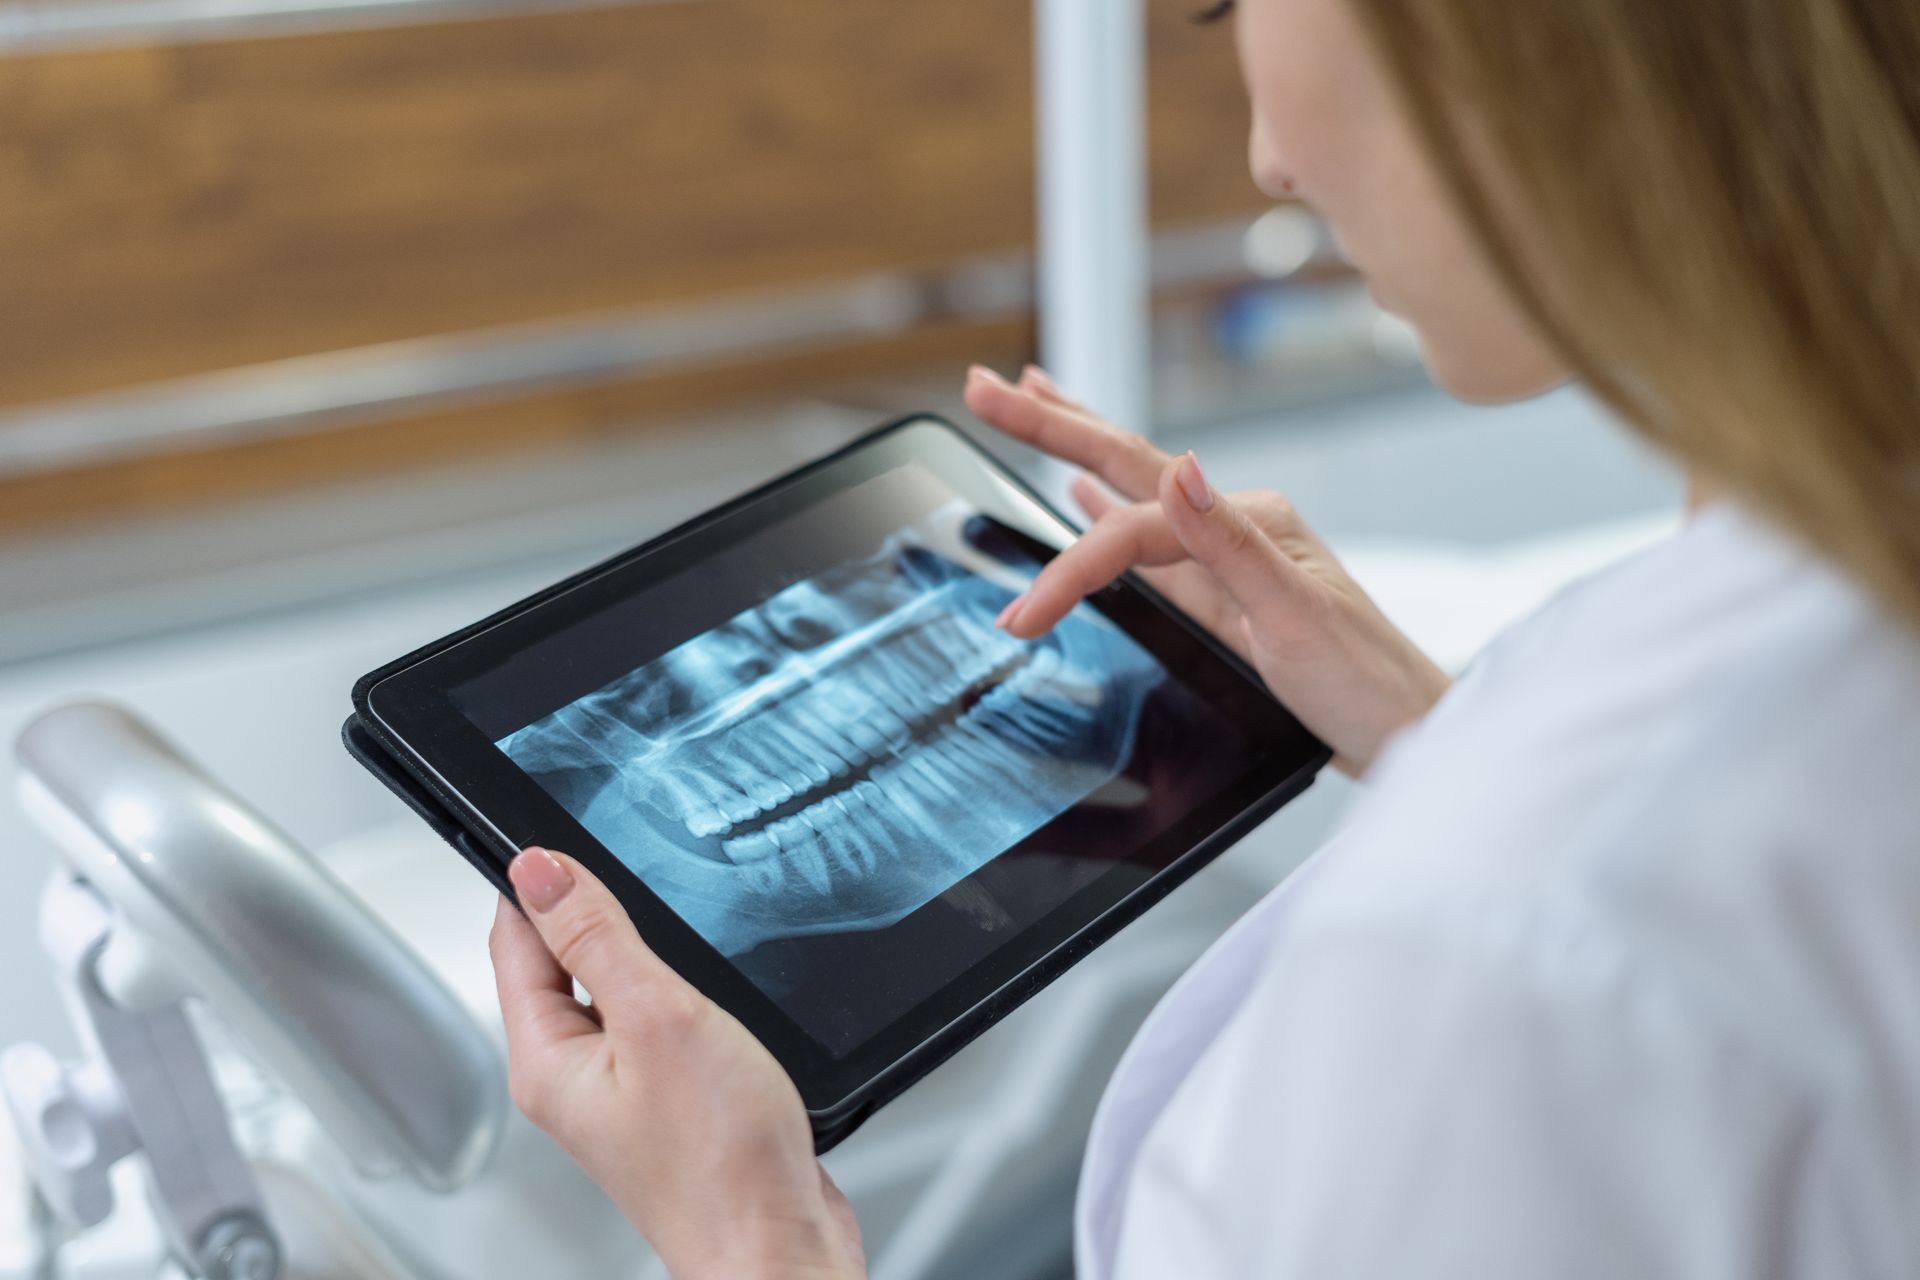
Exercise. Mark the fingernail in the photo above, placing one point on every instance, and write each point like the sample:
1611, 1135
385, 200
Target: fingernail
540, 878
1039, 376
1006, 614
1193, 483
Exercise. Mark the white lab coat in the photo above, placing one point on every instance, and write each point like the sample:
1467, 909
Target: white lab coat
1613, 972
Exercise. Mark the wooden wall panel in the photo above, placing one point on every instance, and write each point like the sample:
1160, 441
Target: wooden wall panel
558, 423
167, 211
171, 210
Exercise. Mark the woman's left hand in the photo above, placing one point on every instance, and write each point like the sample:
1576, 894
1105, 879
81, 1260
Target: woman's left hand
668, 1103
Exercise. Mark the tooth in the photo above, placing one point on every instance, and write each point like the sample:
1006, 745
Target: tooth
922, 655
895, 815
770, 792
719, 799
802, 744
1049, 716
855, 831
976, 663
886, 815
755, 846
995, 766
952, 686
980, 776
946, 806
1031, 667
728, 783
706, 822
1011, 769
1067, 682
701, 773
878, 680
853, 722
753, 777
817, 725
1008, 719
693, 794
893, 682
924, 695
917, 651
934, 785
1008, 689
678, 796
950, 637
896, 731
763, 878
1042, 654
840, 840
966, 655
966, 625
786, 754
801, 846
989, 747
959, 761
824, 721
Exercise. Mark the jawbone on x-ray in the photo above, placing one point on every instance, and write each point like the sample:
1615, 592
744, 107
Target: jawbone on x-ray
839, 755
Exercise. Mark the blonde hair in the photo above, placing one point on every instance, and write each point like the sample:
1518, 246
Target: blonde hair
1712, 207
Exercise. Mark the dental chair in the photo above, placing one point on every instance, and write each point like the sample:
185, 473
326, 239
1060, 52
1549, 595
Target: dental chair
292, 1067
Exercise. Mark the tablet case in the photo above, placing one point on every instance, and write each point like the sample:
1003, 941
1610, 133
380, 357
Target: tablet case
428, 799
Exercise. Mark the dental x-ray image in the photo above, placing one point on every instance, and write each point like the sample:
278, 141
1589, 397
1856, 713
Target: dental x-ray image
861, 742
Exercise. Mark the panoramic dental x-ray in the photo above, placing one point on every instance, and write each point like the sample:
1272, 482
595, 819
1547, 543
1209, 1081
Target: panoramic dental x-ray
835, 757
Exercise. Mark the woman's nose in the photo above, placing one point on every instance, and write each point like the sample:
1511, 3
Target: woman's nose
1264, 162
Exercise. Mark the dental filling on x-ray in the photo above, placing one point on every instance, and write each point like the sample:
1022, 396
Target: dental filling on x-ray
857, 778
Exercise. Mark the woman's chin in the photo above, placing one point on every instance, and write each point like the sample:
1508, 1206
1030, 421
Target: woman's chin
1490, 381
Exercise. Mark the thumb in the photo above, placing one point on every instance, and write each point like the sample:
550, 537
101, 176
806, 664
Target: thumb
585, 928
1268, 587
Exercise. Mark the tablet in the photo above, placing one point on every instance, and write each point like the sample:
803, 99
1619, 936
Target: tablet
829, 792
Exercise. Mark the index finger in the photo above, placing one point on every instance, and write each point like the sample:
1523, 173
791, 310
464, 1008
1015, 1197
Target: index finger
1122, 539
1124, 460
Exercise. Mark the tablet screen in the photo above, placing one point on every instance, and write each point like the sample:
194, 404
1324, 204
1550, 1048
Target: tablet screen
819, 752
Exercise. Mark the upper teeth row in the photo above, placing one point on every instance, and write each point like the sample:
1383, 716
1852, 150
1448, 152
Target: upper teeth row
728, 779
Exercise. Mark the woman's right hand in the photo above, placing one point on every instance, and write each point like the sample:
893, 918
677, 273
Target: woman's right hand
1245, 566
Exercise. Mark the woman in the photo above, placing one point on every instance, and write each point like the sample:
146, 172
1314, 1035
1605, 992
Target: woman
1615, 970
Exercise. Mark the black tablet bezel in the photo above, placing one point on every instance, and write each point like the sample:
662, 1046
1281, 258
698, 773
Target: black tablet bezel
408, 707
